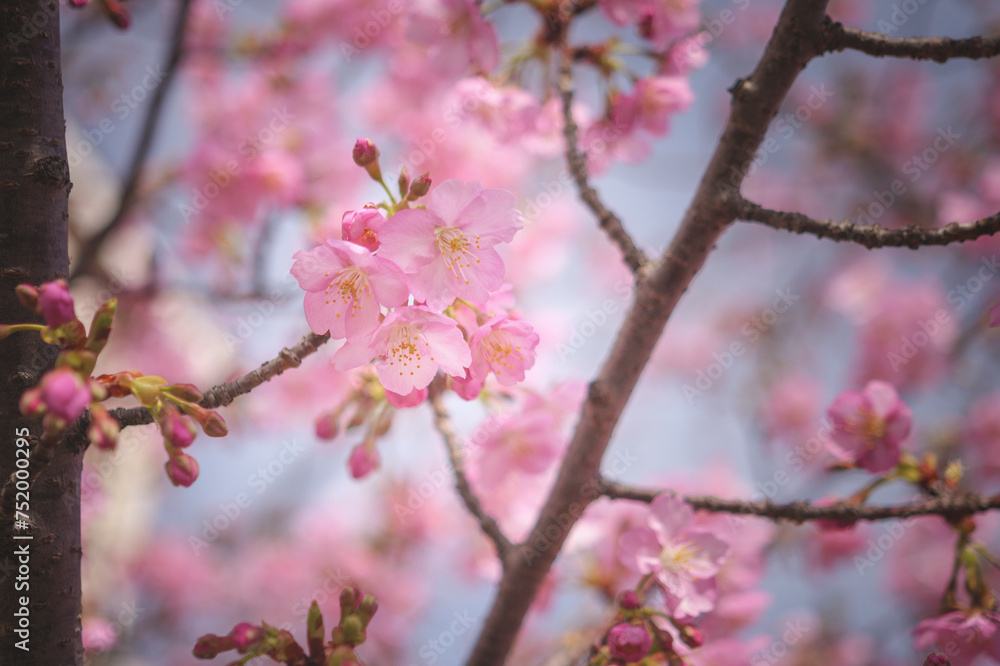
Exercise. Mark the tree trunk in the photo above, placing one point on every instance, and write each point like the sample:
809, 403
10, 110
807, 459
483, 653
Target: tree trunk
40, 562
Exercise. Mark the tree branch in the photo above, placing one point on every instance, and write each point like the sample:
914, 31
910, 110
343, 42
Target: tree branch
659, 286
218, 396
87, 256
939, 49
950, 508
456, 456
577, 163
870, 236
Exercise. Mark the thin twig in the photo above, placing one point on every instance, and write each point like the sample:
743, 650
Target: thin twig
86, 257
456, 456
218, 396
951, 508
939, 49
870, 236
612, 225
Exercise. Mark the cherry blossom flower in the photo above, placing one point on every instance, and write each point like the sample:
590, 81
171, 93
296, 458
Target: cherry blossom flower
412, 343
447, 249
504, 347
961, 636
456, 35
869, 426
345, 286
682, 560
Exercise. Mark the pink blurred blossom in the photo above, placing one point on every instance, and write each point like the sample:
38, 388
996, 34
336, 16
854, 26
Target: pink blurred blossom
962, 636
870, 425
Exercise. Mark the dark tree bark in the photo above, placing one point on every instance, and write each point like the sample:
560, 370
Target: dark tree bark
34, 192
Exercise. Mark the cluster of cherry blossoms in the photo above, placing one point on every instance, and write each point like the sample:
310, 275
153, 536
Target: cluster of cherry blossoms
64, 393
418, 291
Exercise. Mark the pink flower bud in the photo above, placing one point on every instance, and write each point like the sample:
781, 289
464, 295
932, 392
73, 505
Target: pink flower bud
56, 303
210, 645
78, 3
419, 187
936, 660
629, 642
692, 637
629, 600
182, 470
245, 634
119, 15
363, 461
64, 394
104, 430
28, 296
365, 152
326, 425
178, 429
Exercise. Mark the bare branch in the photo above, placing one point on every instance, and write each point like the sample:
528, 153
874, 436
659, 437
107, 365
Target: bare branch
456, 456
870, 236
87, 255
612, 225
951, 508
939, 49
218, 396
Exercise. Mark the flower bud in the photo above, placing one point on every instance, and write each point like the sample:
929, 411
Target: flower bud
28, 296
629, 600
629, 642
326, 425
366, 155
363, 461
245, 635
936, 660
210, 645
177, 429
184, 392
349, 599
182, 470
691, 636
365, 152
55, 303
353, 630
64, 394
419, 187
118, 14
404, 182
367, 608
103, 431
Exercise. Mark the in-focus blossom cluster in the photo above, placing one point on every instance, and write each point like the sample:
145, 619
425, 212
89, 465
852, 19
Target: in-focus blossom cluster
415, 292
